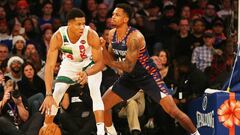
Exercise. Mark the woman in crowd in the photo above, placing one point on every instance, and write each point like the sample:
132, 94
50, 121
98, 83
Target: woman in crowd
19, 44
32, 87
44, 45
32, 56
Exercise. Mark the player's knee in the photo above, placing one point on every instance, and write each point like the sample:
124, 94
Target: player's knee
98, 104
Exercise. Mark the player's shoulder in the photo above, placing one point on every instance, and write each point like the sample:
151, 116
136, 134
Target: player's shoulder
112, 31
56, 40
92, 37
136, 33
92, 32
57, 35
61, 30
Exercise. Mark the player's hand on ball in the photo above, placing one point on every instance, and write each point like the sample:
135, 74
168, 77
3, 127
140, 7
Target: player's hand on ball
47, 105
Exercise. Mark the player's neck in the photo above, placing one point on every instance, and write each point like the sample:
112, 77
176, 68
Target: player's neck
72, 36
121, 31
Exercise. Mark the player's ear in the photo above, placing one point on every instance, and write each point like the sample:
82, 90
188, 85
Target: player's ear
125, 19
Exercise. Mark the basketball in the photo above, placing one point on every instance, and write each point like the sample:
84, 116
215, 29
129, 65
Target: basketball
50, 129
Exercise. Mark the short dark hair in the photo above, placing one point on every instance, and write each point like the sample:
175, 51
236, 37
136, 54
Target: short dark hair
182, 18
3, 45
75, 12
198, 20
127, 9
46, 2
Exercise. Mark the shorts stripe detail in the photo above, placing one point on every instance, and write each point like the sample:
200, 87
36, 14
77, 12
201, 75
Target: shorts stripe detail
64, 79
143, 59
89, 65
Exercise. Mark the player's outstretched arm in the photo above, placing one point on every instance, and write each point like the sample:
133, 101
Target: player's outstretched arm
52, 55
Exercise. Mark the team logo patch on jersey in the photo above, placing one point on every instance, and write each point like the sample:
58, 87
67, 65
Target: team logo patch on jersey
82, 41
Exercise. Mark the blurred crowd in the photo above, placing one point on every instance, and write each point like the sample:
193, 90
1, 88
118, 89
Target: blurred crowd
192, 42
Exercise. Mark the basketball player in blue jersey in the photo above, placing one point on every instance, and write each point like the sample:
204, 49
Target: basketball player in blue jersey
82, 62
127, 52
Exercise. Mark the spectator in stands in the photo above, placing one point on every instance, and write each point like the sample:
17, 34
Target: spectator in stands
3, 30
191, 82
15, 118
202, 56
11, 9
4, 33
186, 12
222, 65
3, 14
132, 109
23, 11
198, 27
4, 53
35, 23
16, 28
210, 14
150, 15
14, 65
33, 57
198, 7
167, 27
77, 117
219, 29
56, 23
227, 9
90, 9
105, 35
32, 87
46, 19
66, 6
183, 40
100, 19
109, 22
30, 30
166, 68
19, 45
30, 48
45, 41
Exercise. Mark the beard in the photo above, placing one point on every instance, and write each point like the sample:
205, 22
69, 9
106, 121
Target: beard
16, 70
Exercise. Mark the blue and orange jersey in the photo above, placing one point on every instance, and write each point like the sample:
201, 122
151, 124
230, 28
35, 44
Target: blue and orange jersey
144, 65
